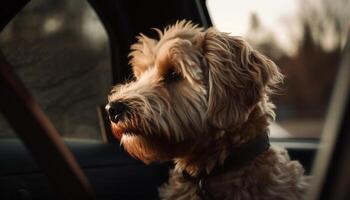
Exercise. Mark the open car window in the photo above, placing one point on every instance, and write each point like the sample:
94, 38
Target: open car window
306, 40
60, 50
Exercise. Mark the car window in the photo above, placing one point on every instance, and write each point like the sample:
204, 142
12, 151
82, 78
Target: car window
305, 39
60, 51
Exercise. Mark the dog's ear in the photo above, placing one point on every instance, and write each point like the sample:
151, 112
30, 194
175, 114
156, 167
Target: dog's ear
142, 54
239, 77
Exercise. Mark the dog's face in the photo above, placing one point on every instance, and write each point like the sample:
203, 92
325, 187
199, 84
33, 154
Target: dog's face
188, 85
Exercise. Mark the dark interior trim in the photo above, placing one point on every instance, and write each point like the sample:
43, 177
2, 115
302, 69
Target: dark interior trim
9, 9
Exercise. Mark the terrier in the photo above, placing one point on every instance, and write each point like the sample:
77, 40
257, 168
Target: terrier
200, 98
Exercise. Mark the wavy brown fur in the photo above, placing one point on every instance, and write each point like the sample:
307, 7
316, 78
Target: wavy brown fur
222, 100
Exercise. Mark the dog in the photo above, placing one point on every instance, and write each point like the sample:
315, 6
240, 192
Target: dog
200, 98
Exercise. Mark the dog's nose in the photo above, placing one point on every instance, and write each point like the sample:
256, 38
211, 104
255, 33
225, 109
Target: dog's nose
116, 110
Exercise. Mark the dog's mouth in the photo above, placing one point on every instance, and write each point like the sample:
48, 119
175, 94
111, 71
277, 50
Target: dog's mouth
133, 126
119, 129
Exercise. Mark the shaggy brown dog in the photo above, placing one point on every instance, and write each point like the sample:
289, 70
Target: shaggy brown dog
198, 94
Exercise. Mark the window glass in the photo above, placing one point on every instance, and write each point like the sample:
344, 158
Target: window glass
60, 50
305, 39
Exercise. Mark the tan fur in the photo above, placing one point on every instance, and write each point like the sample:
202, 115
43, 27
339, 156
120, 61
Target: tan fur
222, 100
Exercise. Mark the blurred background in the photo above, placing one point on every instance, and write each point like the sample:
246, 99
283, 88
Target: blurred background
60, 50
305, 38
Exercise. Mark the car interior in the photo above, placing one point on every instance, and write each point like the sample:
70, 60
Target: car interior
39, 157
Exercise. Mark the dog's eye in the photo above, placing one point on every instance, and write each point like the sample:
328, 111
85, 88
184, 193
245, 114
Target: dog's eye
172, 75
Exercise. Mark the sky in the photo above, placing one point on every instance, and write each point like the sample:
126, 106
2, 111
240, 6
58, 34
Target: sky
279, 16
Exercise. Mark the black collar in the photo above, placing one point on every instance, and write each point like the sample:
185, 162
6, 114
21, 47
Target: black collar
237, 158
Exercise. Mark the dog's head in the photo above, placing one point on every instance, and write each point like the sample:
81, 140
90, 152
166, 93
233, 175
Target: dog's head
189, 84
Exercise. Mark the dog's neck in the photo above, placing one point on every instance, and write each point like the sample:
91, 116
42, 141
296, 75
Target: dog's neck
207, 153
